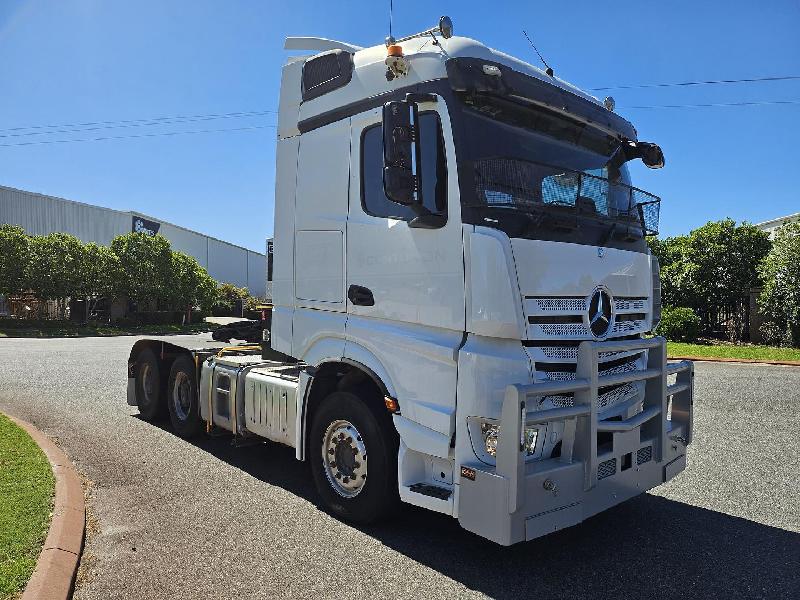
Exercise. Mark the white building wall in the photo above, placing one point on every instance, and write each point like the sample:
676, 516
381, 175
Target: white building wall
38, 214
772, 226
186, 241
256, 274
228, 262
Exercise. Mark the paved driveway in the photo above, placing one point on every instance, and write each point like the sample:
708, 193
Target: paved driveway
205, 520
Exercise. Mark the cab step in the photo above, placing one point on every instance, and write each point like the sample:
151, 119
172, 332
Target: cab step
434, 491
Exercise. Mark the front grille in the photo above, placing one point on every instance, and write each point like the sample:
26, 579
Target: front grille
577, 305
607, 468
607, 397
604, 400
566, 317
565, 330
556, 327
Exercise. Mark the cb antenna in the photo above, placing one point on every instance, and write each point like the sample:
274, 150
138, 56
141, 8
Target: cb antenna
390, 39
548, 69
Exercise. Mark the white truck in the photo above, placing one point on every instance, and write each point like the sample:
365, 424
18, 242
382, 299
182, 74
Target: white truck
462, 296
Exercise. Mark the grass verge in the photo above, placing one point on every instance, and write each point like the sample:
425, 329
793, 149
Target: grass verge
27, 486
61, 329
734, 351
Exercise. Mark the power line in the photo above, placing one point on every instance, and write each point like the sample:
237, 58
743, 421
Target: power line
690, 83
141, 135
115, 122
717, 104
138, 124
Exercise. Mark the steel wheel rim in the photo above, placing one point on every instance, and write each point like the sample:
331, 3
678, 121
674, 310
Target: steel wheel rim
181, 396
344, 458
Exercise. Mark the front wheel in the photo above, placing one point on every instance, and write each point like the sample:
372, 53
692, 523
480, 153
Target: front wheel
353, 454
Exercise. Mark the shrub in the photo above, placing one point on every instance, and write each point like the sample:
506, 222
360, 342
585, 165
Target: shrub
780, 297
679, 324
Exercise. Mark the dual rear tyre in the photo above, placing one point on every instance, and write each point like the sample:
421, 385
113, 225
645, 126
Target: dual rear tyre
178, 397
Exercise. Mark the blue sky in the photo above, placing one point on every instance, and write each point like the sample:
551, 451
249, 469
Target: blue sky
81, 61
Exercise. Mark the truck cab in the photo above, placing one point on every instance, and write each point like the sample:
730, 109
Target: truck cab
460, 272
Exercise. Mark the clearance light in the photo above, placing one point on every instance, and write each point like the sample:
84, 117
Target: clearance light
394, 50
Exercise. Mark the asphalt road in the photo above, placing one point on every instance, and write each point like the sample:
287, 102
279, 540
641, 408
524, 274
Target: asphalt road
206, 520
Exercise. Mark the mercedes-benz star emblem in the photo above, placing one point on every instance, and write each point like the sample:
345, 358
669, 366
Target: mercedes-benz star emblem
600, 313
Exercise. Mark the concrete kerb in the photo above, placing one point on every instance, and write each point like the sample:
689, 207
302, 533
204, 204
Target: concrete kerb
54, 576
750, 361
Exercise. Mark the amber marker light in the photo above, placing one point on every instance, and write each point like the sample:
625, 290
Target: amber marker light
391, 404
394, 50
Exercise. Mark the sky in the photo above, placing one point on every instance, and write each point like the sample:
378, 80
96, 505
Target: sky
73, 62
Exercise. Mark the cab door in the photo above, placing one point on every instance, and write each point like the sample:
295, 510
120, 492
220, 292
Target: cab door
414, 276
404, 285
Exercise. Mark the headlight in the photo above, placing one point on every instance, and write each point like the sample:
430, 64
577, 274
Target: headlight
491, 434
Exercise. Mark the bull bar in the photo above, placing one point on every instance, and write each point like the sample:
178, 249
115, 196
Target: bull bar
521, 499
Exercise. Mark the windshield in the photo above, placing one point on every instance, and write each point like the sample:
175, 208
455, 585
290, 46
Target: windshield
551, 172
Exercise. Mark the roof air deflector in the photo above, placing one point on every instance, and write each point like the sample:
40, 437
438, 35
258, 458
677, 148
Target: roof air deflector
318, 44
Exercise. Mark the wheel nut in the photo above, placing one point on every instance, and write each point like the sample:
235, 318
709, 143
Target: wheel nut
333, 464
346, 480
331, 451
338, 475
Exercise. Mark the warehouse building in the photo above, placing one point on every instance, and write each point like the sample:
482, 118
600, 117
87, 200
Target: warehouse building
40, 215
772, 226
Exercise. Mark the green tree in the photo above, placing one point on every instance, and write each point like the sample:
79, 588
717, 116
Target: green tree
780, 297
100, 272
145, 268
727, 258
55, 268
14, 259
678, 271
712, 267
191, 285
229, 294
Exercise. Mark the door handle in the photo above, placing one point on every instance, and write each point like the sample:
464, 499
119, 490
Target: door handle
360, 296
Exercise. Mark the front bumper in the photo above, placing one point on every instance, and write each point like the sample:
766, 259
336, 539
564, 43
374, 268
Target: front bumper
518, 500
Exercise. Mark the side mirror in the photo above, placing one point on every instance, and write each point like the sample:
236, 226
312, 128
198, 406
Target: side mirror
652, 155
401, 152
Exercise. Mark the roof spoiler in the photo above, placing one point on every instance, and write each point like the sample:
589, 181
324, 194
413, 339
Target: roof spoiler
318, 44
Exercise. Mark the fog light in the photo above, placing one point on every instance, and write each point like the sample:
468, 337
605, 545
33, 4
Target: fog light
491, 434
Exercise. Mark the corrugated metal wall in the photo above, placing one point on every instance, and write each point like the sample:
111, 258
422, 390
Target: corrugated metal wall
39, 215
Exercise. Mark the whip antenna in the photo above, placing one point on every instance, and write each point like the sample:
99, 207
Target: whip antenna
548, 69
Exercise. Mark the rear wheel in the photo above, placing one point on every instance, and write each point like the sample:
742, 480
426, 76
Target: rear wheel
148, 386
353, 453
182, 399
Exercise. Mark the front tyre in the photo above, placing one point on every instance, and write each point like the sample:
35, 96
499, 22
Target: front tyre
353, 454
182, 398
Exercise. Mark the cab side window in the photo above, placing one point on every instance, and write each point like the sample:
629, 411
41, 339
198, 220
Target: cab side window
434, 171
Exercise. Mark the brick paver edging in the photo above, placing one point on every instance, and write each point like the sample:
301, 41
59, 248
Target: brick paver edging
55, 571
